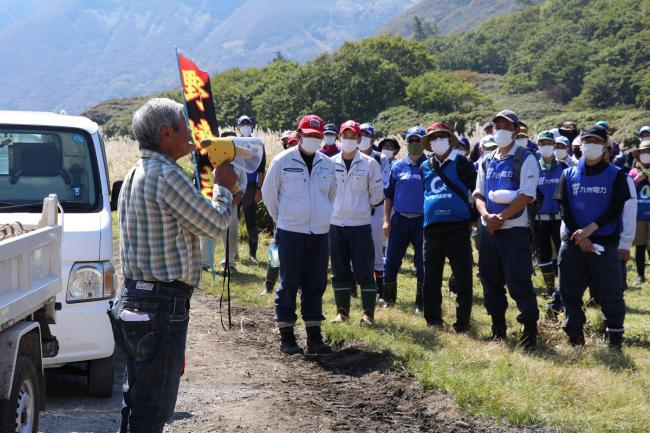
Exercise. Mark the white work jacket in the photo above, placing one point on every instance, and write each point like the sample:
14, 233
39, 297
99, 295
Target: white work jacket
297, 201
358, 190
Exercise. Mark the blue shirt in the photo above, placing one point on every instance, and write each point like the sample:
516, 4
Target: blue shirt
405, 186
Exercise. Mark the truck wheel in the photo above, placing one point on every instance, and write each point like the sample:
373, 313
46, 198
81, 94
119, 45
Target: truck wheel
20, 413
100, 377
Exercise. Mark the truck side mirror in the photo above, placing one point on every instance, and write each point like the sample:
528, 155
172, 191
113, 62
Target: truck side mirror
115, 193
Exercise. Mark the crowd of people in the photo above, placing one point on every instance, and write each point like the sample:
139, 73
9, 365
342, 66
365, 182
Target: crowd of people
572, 201
564, 201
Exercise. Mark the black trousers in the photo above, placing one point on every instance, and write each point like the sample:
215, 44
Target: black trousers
456, 247
250, 216
547, 237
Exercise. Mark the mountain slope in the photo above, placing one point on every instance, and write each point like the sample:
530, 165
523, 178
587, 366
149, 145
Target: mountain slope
449, 15
71, 54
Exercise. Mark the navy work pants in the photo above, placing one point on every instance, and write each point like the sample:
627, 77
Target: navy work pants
505, 260
603, 274
303, 265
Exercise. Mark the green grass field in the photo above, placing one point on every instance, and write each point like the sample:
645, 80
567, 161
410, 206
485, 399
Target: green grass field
584, 390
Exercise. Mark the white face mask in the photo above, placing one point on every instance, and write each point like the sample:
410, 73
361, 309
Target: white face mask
365, 143
546, 151
644, 158
389, 153
592, 151
348, 145
561, 154
310, 144
329, 139
503, 137
523, 142
440, 146
246, 130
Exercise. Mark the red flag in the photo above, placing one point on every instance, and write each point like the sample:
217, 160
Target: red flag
201, 117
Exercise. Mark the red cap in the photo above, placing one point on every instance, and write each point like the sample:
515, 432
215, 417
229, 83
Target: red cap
293, 138
311, 124
350, 125
437, 127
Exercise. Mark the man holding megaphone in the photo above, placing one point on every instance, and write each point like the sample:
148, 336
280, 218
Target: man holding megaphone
161, 217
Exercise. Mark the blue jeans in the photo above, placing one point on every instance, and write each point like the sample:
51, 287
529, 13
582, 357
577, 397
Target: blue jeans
154, 346
303, 265
404, 231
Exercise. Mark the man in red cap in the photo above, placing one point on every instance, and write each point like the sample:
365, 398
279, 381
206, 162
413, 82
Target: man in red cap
299, 192
359, 189
448, 179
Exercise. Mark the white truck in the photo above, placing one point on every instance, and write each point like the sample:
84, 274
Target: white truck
30, 270
44, 153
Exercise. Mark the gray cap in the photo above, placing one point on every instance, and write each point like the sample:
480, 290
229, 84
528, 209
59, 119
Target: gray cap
509, 115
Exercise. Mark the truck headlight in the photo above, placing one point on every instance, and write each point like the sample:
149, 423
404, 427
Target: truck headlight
91, 281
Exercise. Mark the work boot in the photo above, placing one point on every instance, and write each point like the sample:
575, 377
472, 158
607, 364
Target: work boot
315, 343
499, 328
342, 316
252, 246
390, 293
548, 272
379, 279
271, 279
529, 337
615, 341
461, 327
577, 338
288, 344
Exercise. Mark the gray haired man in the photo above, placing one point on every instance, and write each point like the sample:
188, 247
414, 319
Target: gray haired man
161, 217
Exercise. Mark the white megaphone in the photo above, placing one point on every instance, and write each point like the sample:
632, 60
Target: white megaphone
244, 152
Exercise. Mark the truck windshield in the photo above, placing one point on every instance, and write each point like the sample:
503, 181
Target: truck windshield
37, 162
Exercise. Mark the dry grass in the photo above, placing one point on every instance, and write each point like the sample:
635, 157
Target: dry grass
122, 152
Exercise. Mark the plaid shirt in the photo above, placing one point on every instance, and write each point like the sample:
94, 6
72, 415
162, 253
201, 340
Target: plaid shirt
161, 216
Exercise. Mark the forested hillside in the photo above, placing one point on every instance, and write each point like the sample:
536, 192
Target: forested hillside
549, 61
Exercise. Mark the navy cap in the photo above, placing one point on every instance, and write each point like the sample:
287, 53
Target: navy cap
509, 115
415, 130
594, 131
330, 128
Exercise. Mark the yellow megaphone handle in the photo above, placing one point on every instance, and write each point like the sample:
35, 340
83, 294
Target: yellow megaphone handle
219, 150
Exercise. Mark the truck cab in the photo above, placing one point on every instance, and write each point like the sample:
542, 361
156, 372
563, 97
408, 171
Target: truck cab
48, 153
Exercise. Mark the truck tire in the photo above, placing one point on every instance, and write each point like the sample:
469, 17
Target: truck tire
20, 412
101, 376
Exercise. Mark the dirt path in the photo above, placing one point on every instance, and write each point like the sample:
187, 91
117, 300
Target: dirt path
239, 382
